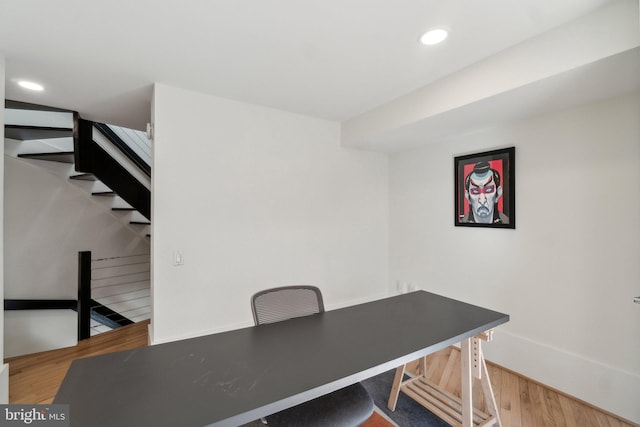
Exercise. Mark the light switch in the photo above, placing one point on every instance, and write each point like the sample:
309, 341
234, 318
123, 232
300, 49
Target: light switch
178, 258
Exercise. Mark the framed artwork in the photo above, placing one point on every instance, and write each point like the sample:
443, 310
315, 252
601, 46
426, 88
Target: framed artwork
485, 185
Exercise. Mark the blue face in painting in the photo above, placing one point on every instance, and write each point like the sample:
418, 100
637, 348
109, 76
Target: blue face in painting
483, 195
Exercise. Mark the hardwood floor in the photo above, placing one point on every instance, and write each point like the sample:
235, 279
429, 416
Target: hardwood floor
523, 403
35, 378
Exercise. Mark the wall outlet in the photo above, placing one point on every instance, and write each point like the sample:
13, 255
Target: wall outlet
403, 287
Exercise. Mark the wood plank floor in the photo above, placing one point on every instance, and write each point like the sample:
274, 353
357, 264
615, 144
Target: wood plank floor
523, 403
35, 378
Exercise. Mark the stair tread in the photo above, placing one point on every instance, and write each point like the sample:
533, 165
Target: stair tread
19, 105
123, 209
55, 156
26, 133
104, 193
139, 222
84, 177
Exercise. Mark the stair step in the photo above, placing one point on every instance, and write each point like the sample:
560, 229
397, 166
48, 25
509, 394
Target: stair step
38, 118
139, 223
109, 313
19, 105
123, 209
104, 194
26, 133
59, 156
84, 177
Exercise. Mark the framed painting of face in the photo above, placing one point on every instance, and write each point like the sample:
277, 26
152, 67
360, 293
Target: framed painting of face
485, 189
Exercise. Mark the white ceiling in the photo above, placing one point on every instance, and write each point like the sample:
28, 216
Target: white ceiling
332, 59
591, 82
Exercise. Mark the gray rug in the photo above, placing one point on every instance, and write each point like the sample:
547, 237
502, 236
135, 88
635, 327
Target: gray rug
408, 412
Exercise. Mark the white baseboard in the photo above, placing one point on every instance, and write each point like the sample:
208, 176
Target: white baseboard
195, 334
603, 386
153, 340
356, 301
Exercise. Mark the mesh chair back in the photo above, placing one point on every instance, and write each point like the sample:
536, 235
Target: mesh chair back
287, 302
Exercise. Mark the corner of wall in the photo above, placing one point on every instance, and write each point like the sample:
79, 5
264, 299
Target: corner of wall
4, 384
150, 334
4, 372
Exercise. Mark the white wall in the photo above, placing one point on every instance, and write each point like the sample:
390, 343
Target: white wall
567, 274
33, 331
255, 198
4, 369
47, 221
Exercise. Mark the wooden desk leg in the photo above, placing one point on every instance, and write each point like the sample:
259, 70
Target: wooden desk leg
395, 388
423, 366
489, 397
467, 383
454, 410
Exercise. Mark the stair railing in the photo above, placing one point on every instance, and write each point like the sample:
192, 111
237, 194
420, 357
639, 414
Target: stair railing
84, 295
134, 144
95, 153
113, 291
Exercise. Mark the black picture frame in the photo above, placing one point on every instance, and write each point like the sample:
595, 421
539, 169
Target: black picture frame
485, 189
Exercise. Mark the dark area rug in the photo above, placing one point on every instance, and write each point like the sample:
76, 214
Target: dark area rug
408, 412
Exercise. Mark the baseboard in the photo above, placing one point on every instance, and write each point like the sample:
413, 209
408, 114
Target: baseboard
605, 387
356, 301
560, 392
153, 340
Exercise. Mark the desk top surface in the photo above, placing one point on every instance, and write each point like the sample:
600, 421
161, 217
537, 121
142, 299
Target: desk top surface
234, 377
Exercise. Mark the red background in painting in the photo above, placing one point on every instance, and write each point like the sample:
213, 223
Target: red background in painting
495, 164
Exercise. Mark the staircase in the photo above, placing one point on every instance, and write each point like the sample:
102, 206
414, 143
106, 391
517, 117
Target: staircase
110, 164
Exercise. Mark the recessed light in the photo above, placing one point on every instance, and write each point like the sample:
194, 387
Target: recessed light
30, 85
434, 36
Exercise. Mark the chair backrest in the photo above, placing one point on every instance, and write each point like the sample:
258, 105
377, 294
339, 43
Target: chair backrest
286, 302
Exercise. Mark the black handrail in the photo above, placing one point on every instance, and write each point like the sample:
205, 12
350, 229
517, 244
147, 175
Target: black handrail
84, 295
123, 147
91, 158
40, 304
86, 307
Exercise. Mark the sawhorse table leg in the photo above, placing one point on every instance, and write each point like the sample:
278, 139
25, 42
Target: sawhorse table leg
456, 411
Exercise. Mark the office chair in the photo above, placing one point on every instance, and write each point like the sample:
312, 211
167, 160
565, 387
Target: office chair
347, 407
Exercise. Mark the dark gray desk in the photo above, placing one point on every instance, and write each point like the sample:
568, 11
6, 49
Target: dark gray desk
231, 378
